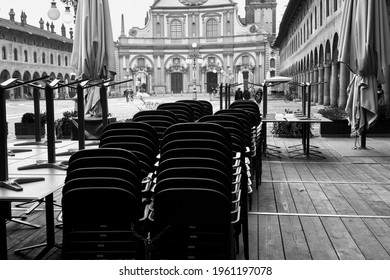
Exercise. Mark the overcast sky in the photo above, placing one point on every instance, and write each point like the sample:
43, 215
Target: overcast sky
134, 12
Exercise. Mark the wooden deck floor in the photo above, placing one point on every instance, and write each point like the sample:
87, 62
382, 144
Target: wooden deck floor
336, 207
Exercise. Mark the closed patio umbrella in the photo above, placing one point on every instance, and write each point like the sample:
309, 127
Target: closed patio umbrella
365, 49
93, 48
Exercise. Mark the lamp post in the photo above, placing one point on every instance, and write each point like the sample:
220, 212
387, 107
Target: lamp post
194, 58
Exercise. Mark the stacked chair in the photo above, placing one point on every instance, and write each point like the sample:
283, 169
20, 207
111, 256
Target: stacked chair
257, 134
138, 137
237, 135
196, 200
196, 106
207, 106
160, 120
184, 168
102, 206
183, 111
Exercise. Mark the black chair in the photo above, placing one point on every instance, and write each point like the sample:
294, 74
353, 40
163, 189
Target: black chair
101, 219
184, 112
196, 106
160, 120
207, 106
192, 222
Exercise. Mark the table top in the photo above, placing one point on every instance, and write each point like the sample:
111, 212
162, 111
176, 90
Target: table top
274, 118
33, 191
315, 118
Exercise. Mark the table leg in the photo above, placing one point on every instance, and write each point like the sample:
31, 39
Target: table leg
50, 230
5, 214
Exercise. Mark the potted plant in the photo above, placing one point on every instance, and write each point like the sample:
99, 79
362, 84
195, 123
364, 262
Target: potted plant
63, 126
26, 128
339, 126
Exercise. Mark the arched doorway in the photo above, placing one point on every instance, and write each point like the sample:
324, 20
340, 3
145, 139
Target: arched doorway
17, 92
27, 91
3, 77
212, 81
177, 82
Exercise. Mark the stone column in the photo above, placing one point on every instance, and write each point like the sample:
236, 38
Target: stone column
327, 84
311, 82
156, 74
321, 85
334, 85
343, 85
315, 87
257, 79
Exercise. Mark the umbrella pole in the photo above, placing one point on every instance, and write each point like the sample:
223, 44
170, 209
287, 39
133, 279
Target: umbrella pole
104, 103
221, 96
80, 116
363, 135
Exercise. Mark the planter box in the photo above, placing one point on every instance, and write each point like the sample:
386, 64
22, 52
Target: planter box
93, 128
27, 130
380, 129
337, 128
66, 132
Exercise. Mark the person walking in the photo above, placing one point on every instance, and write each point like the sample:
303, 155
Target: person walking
247, 94
131, 93
238, 95
126, 94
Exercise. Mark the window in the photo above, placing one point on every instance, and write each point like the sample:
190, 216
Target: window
59, 60
176, 29
272, 63
327, 8
25, 56
15, 54
315, 18
4, 53
335, 5
43, 58
245, 59
51, 59
321, 13
66, 61
211, 28
35, 57
141, 61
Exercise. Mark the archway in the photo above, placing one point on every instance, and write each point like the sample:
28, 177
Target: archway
17, 92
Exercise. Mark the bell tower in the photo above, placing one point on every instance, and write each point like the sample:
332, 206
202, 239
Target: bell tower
261, 14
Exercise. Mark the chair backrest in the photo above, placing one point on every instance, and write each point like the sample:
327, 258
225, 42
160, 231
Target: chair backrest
196, 223
132, 125
248, 105
100, 216
155, 115
196, 106
208, 107
184, 112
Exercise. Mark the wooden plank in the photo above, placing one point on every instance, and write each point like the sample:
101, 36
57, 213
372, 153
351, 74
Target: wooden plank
294, 240
253, 222
321, 247
368, 244
378, 227
344, 245
270, 241
358, 173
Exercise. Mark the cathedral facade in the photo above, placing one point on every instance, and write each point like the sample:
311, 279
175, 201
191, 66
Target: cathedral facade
195, 45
